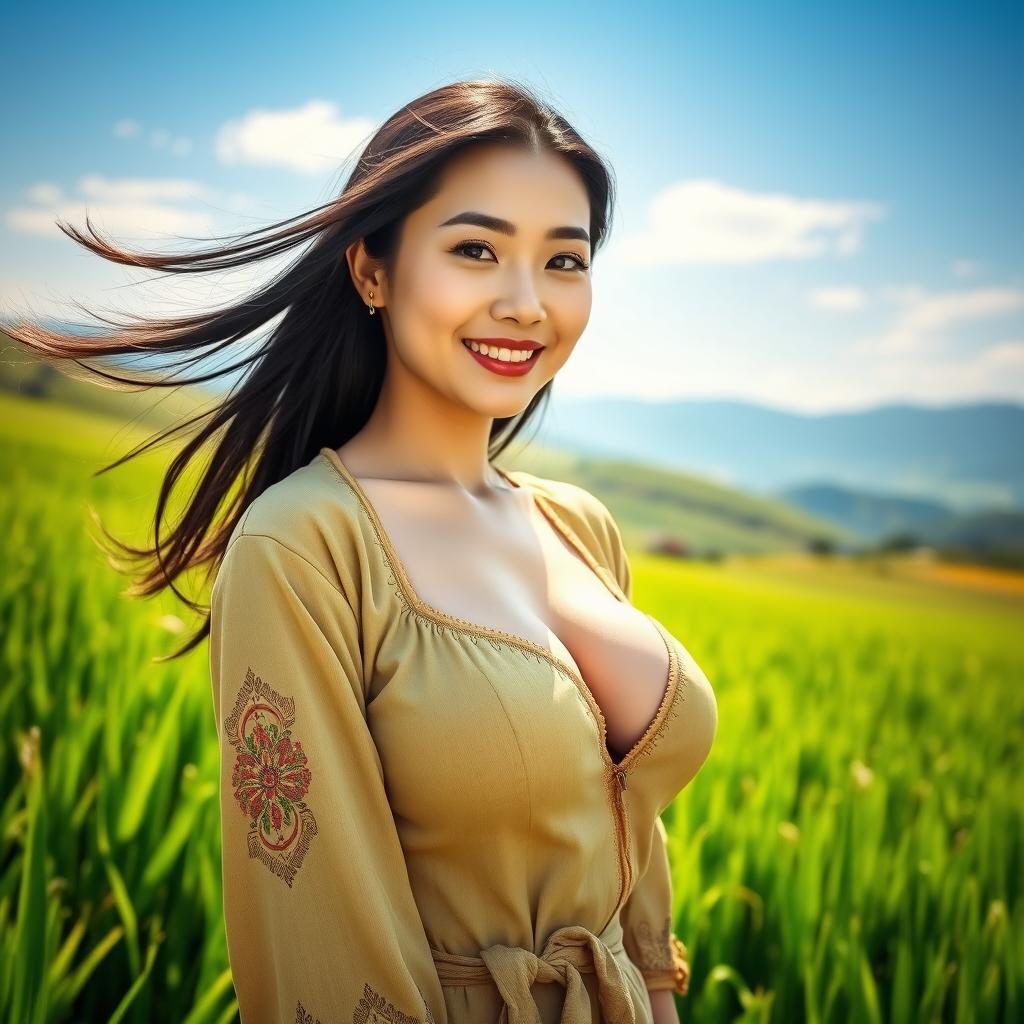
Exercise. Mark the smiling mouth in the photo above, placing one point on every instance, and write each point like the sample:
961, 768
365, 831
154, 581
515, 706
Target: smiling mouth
514, 357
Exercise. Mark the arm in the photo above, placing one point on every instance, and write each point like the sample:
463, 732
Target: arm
663, 1005
647, 929
320, 918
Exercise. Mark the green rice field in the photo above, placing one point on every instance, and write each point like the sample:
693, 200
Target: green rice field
852, 850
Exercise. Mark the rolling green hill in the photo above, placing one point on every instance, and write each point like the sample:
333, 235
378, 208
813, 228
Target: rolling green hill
648, 503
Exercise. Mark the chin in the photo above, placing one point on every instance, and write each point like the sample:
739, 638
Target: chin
503, 408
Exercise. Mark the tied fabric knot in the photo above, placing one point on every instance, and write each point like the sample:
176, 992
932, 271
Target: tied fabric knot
568, 953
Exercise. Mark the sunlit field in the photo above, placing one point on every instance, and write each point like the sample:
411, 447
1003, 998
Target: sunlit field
852, 850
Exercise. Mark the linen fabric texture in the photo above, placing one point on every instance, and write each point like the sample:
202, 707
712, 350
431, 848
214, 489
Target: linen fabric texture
420, 818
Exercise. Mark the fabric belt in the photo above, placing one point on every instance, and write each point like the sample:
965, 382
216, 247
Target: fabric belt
569, 952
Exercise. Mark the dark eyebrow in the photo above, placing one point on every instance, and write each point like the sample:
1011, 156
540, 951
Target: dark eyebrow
505, 227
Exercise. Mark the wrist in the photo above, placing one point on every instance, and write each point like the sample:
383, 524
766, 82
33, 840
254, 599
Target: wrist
663, 1006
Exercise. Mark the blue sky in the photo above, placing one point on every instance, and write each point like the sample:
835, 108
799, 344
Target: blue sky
820, 206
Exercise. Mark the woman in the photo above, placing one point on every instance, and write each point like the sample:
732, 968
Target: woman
446, 733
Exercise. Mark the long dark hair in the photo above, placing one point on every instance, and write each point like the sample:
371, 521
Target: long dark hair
280, 415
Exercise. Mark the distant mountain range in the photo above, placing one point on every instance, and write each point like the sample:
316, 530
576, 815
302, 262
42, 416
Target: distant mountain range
870, 515
880, 517
960, 457
726, 476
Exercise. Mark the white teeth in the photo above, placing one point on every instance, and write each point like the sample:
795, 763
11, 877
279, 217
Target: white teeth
506, 355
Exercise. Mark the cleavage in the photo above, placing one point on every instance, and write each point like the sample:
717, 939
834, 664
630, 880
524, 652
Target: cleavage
508, 567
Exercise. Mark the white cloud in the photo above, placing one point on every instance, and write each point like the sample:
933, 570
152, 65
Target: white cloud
127, 128
238, 201
309, 139
1007, 354
124, 220
159, 138
840, 299
135, 207
128, 210
965, 268
94, 186
920, 326
706, 221
44, 192
995, 371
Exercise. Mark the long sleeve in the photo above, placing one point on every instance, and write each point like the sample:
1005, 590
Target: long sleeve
321, 921
647, 923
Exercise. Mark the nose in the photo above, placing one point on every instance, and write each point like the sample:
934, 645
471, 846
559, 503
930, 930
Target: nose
521, 300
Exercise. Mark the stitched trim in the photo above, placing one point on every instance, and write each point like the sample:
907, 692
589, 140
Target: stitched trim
615, 771
668, 709
457, 626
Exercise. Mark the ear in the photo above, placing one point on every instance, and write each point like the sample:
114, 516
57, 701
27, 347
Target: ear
367, 274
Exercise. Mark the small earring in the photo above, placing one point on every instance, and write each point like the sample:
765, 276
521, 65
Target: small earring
372, 310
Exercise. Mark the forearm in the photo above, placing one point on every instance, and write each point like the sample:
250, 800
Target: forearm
663, 1004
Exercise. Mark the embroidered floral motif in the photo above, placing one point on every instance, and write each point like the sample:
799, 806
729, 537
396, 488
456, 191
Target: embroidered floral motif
270, 777
373, 1008
655, 949
302, 1016
663, 951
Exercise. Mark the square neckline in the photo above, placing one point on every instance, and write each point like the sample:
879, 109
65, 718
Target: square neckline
427, 611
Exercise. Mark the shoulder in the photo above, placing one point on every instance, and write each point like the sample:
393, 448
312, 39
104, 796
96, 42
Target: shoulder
313, 514
587, 516
575, 503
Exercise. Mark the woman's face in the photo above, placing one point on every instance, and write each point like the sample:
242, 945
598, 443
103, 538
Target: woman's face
455, 281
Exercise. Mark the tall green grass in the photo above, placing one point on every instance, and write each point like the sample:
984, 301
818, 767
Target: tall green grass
851, 851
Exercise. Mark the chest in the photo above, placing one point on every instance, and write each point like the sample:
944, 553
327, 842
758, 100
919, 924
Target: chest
509, 565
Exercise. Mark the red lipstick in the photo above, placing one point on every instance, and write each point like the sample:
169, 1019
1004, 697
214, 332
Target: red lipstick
504, 367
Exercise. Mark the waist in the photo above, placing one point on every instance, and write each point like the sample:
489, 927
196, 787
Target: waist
569, 953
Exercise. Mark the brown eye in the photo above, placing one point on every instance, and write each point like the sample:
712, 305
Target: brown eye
579, 263
472, 245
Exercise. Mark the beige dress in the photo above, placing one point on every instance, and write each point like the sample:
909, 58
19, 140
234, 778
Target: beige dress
421, 819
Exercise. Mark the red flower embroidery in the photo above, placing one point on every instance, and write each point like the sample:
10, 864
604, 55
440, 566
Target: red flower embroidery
270, 777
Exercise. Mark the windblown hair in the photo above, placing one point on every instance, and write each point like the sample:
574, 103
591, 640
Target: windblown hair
283, 410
